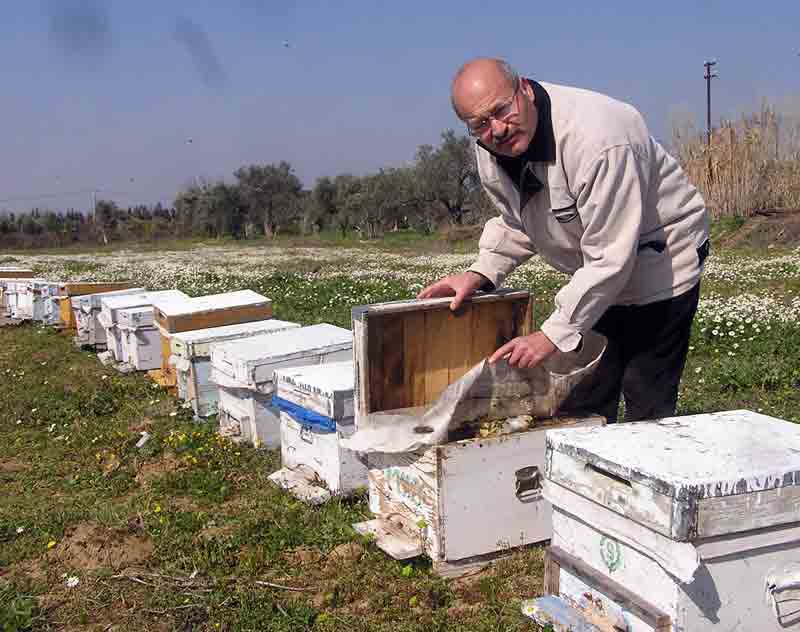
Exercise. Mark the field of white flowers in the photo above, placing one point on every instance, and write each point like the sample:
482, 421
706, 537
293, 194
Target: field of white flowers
736, 288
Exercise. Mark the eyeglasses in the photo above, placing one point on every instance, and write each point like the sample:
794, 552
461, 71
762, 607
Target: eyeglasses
501, 113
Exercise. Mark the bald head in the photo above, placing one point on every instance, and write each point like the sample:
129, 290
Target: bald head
477, 78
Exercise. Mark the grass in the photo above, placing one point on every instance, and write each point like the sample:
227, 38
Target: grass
177, 534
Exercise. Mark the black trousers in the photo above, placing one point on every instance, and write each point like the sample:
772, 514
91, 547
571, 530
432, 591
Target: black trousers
644, 360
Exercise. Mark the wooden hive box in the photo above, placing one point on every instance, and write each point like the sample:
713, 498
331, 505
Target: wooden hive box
408, 352
203, 312
191, 357
467, 501
67, 291
243, 370
676, 524
317, 411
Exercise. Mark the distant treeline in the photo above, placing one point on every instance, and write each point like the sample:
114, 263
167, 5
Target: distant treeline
440, 188
750, 165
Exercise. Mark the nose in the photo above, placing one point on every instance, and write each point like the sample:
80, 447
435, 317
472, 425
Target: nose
499, 129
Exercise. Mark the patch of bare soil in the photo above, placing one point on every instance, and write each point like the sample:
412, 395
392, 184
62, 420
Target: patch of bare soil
89, 546
141, 425
150, 470
214, 532
12, 466
768, 229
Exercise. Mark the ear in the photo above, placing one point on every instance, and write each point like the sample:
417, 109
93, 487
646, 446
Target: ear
527, 88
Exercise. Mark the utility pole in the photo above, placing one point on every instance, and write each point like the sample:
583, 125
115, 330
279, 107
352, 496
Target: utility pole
708, 77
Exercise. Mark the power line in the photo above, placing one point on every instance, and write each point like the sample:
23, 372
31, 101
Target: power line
48, 196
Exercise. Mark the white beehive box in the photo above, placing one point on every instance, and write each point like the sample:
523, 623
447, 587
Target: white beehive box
465, 501
89, 331
40, 294
141, 339
243, 370
20, 298
191, 357
677, 524
112, 305
317, 410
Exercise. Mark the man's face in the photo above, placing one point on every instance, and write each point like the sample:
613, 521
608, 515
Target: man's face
504, 119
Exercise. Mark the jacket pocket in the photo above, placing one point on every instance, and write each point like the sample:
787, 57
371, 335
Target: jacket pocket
565, 215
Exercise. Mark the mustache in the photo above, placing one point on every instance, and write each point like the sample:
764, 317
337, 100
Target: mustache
501, 140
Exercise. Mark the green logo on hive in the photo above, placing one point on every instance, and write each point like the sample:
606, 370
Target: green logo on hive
611, 552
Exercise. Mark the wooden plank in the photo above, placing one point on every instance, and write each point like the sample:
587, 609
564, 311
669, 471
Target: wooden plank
393, 388
484, 331
82, 289
414, 354
460, 342
454, 569
416, 305
213, 318
734, 514
374, 345
437, 353
390, 540
523, 317
504, 321
623, 597
167, 371
552, 574
67, 318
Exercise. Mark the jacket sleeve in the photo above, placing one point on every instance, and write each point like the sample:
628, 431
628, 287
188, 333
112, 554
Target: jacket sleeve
611, 204
503, 245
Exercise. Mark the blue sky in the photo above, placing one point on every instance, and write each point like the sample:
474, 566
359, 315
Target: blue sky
106, 94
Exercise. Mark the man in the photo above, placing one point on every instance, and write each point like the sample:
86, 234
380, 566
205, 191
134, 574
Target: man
576, 177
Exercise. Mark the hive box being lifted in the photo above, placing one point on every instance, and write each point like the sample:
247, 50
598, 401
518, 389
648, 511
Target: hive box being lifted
677, 524
191, 357
202, 312
317, 410
408, 352
86, 309
465, 501
243, 370
67, 291
141, 339
112, 305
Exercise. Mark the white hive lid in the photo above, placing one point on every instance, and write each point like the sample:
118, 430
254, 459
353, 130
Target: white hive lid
322, 388
197, 343
244, 359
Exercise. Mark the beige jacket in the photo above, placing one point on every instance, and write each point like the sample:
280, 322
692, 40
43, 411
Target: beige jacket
607, 205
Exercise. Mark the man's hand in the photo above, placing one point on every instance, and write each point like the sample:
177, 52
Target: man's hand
459, 286
525, 352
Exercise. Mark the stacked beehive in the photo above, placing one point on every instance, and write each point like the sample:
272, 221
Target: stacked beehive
191, 359
317, 412
69, 291
244, 369
203, 312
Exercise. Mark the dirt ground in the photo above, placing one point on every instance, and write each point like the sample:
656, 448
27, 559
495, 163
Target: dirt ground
771, 229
